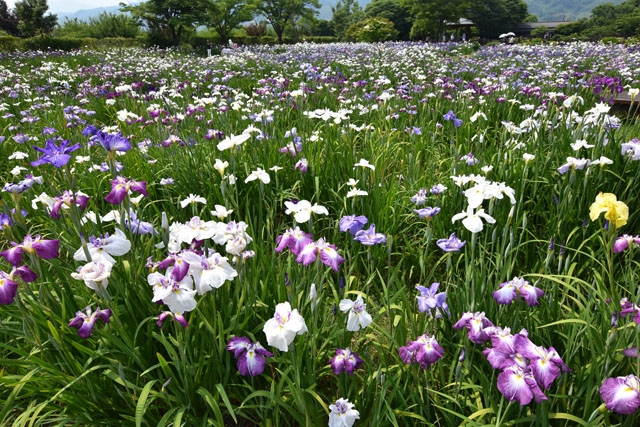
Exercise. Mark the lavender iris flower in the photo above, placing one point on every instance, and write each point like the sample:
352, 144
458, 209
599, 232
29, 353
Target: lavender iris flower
450, 116
452, 244
370, 237
352, 223
624, 242
430, 299
427, 212
57, 156
113, 142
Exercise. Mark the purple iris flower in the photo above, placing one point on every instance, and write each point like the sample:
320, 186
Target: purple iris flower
84, 322
113, 141
450, 116
21, 138
345, 360
545, 364
424, 350
430, 299
250, 355
452, 244
427, 212
46, 249
8, 287
121, 186
90, 130
518, 286
68, 198
625, 241
294, 239
370, 237
49, 131
137, 226
174, 316
352, 223
621, 394
57, 156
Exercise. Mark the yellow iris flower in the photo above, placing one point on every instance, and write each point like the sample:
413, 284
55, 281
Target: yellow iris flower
616, 212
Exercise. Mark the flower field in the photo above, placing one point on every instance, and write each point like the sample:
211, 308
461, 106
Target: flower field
352, 234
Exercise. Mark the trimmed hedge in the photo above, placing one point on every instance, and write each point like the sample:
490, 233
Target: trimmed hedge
9, 43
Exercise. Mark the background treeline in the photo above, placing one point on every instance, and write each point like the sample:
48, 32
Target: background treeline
204, 24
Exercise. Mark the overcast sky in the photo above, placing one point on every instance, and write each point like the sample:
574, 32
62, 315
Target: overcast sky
56, 6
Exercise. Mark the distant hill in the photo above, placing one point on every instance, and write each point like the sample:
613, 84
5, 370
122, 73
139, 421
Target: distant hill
85, 14
564, 10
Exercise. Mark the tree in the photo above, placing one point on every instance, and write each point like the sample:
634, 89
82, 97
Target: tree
372, 30
8, 19
431, 16
280, 13
493, 17
33, 19
531, 18
395, 11
168, 18
345, 13
225, 15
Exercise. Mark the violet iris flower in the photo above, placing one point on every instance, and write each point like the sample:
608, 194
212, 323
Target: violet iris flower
8, 287
294, 239
450, 116
68, 198
545, 364
250, 355
345, 360
179, 317
120, 188
424, 350
113, 141
352, 223
303, 165
429, 299
57, 156
452, 244
625, 241
621, 394
328, 254
518, 286
46, 249
137, 226
370, 237
84, 322
427, 212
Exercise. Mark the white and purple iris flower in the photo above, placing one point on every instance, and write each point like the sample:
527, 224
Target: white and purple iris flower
518, 287
358, 316
105, 247
46, 249
178, 295
250, 355
621, 394
343, 414
209, 273
425, 350
345, 361
284, 326
121, 186
327, 253
475, 323
517, 383
420, 197
84, 321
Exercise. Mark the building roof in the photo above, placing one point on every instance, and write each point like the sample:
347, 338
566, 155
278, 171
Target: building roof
460, 22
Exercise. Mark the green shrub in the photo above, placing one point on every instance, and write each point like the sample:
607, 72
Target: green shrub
319, 39
372, 30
